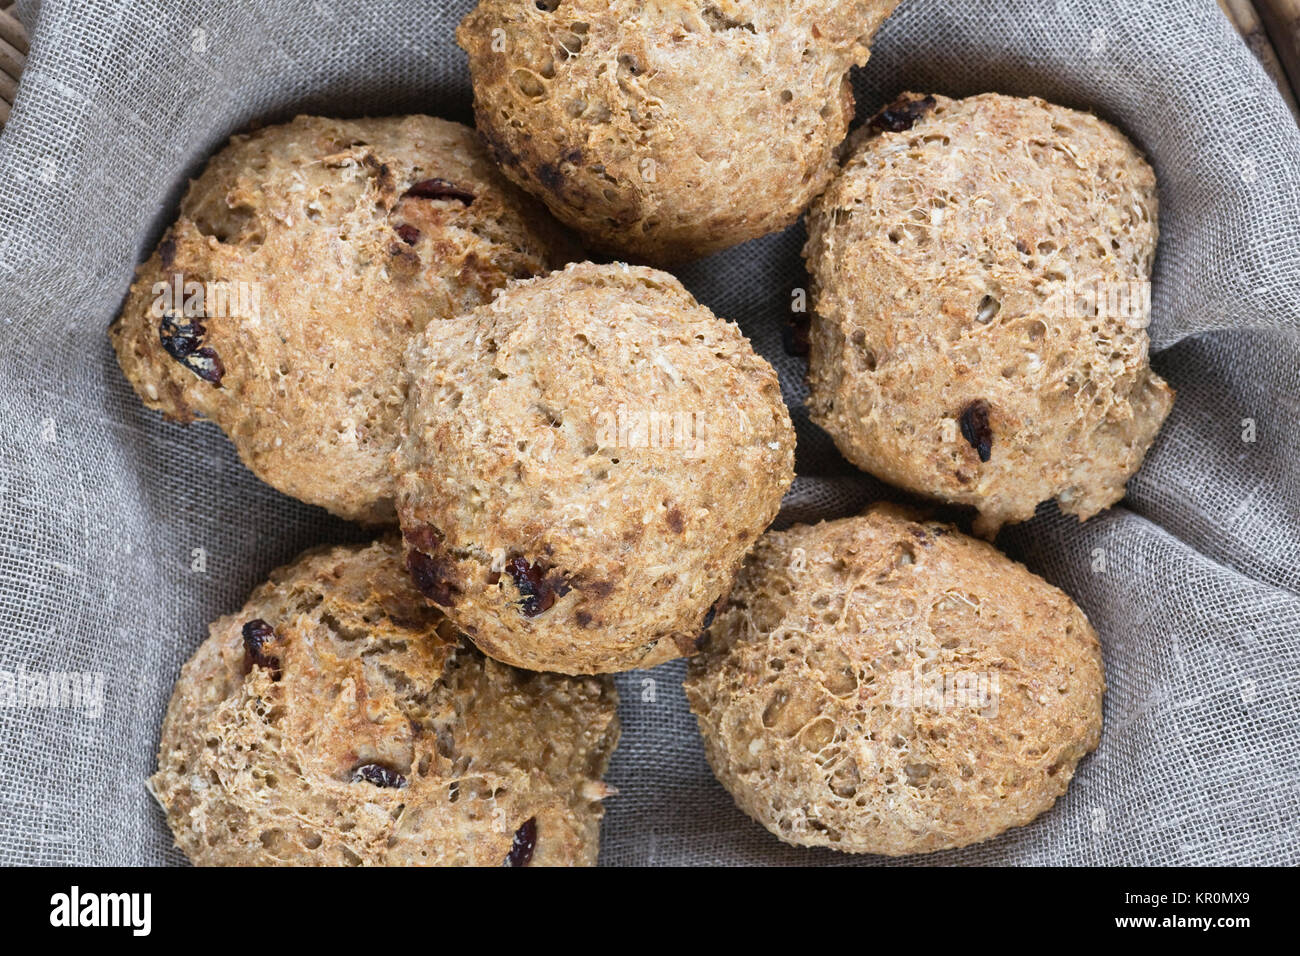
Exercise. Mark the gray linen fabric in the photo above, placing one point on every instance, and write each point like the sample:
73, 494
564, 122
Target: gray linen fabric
1193, 582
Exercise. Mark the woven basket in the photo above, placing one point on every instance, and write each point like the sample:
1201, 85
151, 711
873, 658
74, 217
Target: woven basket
13, 53
1270, 27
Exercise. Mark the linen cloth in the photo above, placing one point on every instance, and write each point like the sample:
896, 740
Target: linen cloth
122, 536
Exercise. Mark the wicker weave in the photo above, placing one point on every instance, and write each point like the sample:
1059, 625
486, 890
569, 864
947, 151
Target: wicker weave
13, 54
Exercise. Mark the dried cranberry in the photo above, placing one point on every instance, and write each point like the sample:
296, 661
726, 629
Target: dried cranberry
901, 114
975, 428
676, 522
525, 842
709, 617
180, 339
430, 576
537, 591
258, 634
379, 775
429, 566
439, 189
206, 365
183, 341
408, 234
794, 336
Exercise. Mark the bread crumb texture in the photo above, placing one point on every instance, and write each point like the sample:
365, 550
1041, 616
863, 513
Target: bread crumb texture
980, 279
585, 461
667, 131
318, 249
882, 684
336, 720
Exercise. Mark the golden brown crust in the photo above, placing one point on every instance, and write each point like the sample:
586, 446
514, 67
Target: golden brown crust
346, 237
287, 728
953, 349
667, 131
560, 525
882, 684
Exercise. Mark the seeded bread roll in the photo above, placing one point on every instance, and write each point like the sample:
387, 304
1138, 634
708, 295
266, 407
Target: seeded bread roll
887, 685
585, 461
322, 247
667, 131
337, 720
980, 291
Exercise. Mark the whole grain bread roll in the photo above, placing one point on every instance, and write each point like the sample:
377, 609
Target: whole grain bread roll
305, 258
584, 462
337, 719
980, 281
884, 684
665, 131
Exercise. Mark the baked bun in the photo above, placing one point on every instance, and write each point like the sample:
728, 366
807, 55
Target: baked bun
585, 461
321, 248
886, 685
980, 285
338, 720
664, 132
